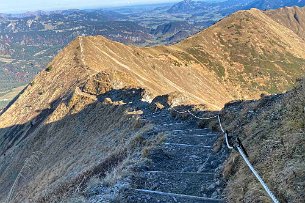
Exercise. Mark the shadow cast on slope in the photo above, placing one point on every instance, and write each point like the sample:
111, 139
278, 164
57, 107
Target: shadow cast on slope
80, 145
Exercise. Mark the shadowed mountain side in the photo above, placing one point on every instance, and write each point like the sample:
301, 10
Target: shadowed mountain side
79, 149
70, 149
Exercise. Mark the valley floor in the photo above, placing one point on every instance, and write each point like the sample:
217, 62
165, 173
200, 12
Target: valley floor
6, 97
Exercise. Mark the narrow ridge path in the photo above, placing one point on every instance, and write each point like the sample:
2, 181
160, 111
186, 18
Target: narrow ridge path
183, 169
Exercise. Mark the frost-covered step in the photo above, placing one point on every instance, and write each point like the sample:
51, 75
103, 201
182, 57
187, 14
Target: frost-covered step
175, 148
196, 184
171, 126
187, 145
204, 139
190, 131
148, 196
180, 158
160, 115
156, 115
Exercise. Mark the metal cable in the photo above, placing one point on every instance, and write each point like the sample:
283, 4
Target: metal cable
257, 175
227, 142
219, 121
241, 152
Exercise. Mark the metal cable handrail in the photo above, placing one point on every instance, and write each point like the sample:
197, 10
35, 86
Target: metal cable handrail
237, 146
271, 195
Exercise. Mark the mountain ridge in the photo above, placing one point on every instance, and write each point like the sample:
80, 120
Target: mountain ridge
29, 41
88, 98
208, 76
290, 17
230, 6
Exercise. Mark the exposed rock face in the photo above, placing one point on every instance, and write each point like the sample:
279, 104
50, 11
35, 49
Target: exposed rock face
169, 100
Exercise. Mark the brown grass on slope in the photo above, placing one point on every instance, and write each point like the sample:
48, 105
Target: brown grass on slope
291, 17
272, 130
240, 57
90, 140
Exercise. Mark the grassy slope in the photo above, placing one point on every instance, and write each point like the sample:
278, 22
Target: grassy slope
46, 118
290, 17
240, 57
82, 138
250, 53
273, 131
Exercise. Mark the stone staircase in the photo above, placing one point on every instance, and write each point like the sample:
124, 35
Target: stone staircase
183, 169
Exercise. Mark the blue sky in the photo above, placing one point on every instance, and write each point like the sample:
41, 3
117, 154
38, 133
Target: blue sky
16, 6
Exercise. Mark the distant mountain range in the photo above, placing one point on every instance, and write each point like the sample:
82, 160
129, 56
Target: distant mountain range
271, 4
29, 41
230, 6
76, 110
75, 120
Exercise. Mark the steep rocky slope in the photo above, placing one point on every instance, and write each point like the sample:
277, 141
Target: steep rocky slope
64, 124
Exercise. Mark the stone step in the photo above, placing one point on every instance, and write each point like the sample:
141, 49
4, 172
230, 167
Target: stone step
156, 115
175, 158
160, 116
182, 169
162, 127
198, 150
187, 145
189, 131
188, 183
171, 124
149, 196
205, 139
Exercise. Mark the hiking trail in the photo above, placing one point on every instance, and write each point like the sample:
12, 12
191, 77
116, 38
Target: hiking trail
183, 169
